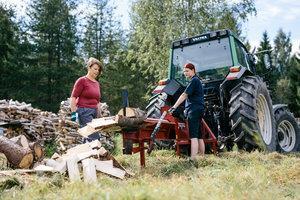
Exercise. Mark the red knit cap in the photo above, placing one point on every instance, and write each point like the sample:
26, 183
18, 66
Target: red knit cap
190, 66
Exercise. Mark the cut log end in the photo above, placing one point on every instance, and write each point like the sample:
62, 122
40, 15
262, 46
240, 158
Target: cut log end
26, 161
37, 150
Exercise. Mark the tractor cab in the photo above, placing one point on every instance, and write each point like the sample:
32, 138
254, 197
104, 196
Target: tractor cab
214, 54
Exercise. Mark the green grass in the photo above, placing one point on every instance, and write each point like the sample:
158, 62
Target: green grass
230, 175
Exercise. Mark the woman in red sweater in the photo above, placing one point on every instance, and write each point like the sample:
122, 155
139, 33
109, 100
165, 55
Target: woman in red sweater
86, 94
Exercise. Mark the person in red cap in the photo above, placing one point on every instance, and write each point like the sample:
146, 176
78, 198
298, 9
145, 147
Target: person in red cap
194, 109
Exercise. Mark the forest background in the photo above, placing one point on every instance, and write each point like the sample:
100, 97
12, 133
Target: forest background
44, 52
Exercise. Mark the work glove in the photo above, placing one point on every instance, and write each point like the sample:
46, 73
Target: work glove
171, 110
74, 116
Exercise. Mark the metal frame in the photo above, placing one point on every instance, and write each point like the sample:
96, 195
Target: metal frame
171, 129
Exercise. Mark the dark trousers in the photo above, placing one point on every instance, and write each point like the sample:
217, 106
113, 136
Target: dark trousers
194, 121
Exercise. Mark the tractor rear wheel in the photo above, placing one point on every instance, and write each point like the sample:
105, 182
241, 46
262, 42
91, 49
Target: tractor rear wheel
251, 115
155, 104
288, 131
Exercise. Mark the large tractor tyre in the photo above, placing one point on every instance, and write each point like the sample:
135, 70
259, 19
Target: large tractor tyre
251, 115
156, 102
288, 131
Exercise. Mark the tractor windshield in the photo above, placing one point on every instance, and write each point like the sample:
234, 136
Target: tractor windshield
211, 59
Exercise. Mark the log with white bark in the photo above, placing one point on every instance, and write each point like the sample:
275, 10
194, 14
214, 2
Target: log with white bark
73, 169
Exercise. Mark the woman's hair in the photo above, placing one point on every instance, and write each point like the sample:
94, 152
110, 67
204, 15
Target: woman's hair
91, 61
190, 66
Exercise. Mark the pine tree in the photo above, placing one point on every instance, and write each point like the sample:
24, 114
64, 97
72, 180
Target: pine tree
8, 45
282, 51
264, 48
54, 34
294, 97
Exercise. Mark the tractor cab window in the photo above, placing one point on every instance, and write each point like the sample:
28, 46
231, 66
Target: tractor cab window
211, 59
241, 54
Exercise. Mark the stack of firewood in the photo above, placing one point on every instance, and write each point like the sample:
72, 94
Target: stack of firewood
36, 125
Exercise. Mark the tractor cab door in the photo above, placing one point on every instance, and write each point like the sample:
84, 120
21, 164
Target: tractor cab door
243, 57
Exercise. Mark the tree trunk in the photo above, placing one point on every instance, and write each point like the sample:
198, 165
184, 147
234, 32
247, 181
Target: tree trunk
18, 156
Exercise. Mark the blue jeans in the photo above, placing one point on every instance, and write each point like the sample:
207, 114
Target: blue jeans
85, 116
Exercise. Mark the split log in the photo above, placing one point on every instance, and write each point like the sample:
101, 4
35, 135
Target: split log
58, 165
132, 112
102, 166
18, 156
89, 170
87, 154
73, 169
20, 140
102, 122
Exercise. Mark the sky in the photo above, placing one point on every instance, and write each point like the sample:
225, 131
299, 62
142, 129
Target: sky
271, 15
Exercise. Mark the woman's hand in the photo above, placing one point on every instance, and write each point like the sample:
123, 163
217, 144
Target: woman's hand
73, 104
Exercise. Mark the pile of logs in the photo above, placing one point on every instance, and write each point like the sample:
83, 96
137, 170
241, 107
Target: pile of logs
24, 129
41, 126
36, 125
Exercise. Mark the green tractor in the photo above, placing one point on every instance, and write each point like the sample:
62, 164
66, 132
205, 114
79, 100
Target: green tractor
238, 104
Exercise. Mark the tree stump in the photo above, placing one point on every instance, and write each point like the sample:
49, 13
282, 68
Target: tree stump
18, 156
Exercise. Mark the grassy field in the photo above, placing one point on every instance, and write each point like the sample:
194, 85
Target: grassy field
232, 175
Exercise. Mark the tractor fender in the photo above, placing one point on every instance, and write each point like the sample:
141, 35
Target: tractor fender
237, 74
278, 106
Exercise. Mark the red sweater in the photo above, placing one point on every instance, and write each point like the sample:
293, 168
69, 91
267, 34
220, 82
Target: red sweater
87, 92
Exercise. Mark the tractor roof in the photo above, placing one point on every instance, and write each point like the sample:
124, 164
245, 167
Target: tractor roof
212, 35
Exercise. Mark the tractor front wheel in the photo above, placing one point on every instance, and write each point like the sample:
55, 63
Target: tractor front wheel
251, 115
155, 104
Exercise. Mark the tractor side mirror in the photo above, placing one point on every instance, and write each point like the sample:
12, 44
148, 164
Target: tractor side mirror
251, 58
267, 61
